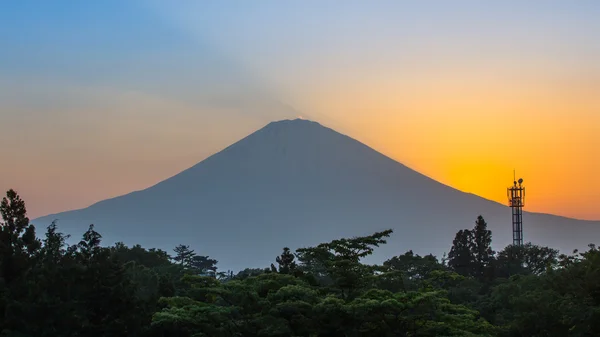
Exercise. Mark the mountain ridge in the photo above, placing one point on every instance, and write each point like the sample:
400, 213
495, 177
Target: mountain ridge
275, 124
297, 182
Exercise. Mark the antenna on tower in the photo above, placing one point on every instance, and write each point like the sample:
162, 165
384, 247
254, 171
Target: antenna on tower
516, 201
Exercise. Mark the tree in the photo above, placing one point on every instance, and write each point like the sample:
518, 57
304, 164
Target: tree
18, 241
339, 261
203, 264
414, 268
482, 249
525, 260
461, 258
286, 261
471, 253
18, 245
89, 246
184, 255
250, 272
150, 258
105, 293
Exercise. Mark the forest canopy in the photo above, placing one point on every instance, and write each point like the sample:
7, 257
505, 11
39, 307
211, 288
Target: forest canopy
51, 288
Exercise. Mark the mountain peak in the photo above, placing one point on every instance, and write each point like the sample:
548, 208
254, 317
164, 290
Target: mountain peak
298, 122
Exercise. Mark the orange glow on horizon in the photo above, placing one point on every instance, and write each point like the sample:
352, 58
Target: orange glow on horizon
472, 137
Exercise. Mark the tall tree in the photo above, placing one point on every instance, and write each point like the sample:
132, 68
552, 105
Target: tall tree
184, 255
482, 249
461, 258
18, 241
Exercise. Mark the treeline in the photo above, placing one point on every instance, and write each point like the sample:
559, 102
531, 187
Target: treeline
50, 288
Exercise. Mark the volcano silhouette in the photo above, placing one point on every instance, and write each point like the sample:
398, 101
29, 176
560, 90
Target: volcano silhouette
295, 183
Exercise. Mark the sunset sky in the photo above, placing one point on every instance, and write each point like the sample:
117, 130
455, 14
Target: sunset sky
100, 98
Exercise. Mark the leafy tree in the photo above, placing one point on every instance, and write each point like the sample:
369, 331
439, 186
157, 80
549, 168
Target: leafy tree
251, 272
471, 253
524, 260
288, 306
339, 260
415, 269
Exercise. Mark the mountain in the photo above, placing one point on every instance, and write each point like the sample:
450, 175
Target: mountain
296, 183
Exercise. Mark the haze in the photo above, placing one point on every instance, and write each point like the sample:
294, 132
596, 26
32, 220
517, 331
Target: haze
98, 99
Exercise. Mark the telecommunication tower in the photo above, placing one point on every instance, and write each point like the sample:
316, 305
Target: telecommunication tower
516, 201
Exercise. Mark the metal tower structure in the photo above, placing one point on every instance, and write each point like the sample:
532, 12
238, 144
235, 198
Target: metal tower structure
516, 201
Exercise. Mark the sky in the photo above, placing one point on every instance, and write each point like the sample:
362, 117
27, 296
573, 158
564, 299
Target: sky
101, 98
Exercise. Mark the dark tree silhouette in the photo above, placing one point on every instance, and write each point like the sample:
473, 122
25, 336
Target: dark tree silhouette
461, 258
203, 264
17, 237
184, 255
525, 260
482, 249
286, 261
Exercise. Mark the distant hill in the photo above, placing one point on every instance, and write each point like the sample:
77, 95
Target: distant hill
296, 183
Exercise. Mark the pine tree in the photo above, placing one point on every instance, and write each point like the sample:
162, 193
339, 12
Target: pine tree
184, 255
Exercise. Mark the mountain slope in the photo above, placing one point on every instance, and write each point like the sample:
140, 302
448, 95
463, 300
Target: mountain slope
296, 183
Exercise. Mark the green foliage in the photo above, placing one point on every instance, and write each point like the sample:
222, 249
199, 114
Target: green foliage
151, 258
204, 265
193, 263
337, 263
48, 288
413, 270
525, 260
461, 258
471, 253
249, 272
286, 262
